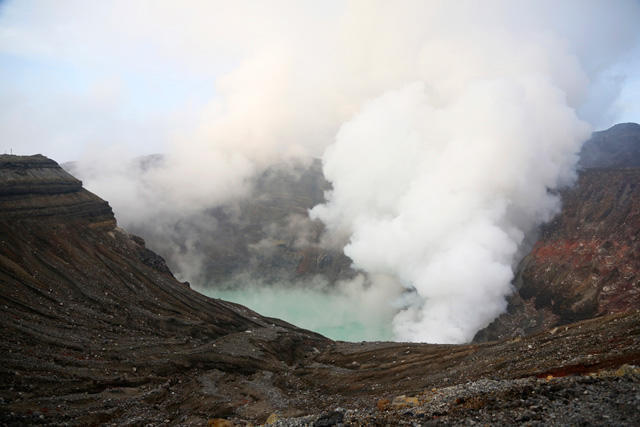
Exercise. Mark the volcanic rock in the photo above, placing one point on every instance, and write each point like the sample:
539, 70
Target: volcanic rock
617, 147
35, 187
92, 318
95, 330
586, 261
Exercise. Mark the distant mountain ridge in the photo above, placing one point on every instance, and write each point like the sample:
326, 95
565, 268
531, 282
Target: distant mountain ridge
616, 147
266, 236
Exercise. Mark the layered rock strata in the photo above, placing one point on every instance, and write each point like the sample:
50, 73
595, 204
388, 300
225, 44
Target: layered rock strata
35, 187
96, 330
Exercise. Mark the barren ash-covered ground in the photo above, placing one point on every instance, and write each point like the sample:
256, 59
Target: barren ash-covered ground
96, 329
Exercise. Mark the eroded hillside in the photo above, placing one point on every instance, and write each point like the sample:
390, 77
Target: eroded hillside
95, 329
586, 261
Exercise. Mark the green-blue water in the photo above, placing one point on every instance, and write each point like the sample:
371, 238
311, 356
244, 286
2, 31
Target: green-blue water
333, 314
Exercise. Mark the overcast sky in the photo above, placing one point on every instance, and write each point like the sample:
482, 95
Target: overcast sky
131, 75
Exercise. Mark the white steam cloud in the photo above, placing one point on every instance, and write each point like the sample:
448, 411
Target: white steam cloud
438, 183
443, 126
441, 194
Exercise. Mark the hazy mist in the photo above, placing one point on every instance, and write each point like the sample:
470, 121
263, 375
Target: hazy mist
443, 127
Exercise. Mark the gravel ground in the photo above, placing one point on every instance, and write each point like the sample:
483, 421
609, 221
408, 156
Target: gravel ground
607, 398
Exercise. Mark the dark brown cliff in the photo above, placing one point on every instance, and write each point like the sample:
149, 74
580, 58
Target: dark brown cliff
36, 187
586, 262
86, 308
96, 330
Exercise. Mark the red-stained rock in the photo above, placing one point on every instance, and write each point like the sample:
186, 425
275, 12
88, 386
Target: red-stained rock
586, 262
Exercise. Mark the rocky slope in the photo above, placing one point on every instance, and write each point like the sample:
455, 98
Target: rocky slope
586, 261
96, 330
88, 311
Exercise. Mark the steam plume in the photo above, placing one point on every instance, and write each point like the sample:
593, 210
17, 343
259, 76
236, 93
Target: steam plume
444, 127
448, 194
438, 183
